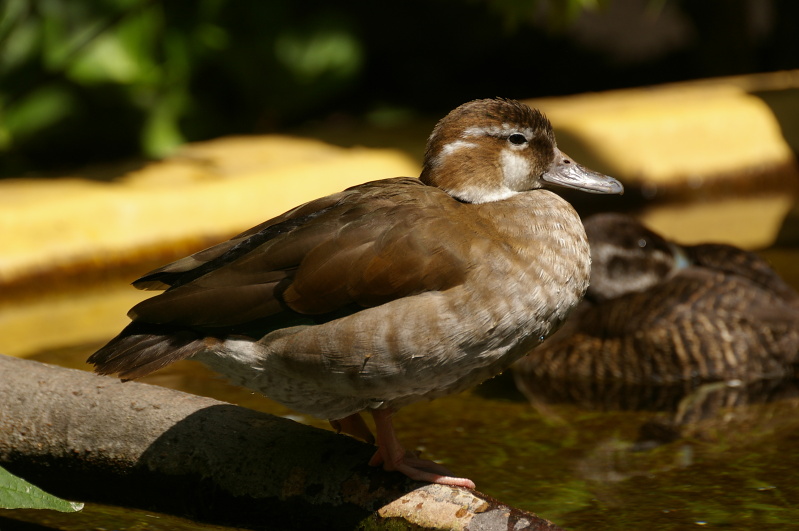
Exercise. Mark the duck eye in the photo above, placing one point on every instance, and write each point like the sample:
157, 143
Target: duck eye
517, 139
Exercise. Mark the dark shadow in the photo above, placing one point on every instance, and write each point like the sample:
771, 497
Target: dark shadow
788, 233
784, 105
232, 466
293, 471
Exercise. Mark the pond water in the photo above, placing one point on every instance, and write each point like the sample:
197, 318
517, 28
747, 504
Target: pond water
717, 456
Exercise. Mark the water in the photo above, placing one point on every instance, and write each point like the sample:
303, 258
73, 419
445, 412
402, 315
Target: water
718, 456
722, 456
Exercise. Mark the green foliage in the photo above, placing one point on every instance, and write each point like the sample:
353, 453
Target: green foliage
107, 79
120, 72
16, 493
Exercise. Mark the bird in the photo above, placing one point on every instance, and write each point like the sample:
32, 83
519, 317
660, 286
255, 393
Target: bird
658, 313
386, 293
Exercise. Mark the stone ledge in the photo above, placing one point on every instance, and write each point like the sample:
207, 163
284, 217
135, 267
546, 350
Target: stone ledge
205, 192
684, 134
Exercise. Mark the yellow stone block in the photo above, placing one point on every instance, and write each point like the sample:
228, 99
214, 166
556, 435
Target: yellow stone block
670, 135
209, 190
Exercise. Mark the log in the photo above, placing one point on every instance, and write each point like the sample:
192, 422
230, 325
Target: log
95, 439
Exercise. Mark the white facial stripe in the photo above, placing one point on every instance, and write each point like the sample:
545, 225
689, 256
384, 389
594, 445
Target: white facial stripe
496, 130
515, 170
449, 149
452, 147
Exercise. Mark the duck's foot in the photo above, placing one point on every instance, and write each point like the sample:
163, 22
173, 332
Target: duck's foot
393, 456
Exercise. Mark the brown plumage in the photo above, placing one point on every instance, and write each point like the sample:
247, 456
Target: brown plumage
657, 313
386, 293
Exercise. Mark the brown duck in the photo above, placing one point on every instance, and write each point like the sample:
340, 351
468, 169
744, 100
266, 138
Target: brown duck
389, 292
658, 313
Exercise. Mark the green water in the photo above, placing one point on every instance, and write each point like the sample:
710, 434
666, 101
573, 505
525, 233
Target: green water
721, 457
718, 457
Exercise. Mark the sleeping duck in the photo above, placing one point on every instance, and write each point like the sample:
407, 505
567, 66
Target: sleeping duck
661, 314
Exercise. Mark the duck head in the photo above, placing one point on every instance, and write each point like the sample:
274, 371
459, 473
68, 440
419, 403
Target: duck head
626, 256
489, 150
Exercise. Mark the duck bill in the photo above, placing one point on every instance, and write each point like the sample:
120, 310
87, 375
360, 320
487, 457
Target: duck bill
565, 172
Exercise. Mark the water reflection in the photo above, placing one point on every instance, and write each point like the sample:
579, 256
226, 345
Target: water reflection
682, 362
606, 453
682, 411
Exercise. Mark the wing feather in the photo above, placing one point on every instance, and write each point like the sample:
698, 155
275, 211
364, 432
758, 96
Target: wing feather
362, 247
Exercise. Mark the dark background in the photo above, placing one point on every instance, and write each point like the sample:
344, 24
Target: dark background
101, 80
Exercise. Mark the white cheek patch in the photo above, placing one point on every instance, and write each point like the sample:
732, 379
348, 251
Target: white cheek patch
515, 170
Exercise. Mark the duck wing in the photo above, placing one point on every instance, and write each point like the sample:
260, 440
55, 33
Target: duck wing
326, 259
359, 248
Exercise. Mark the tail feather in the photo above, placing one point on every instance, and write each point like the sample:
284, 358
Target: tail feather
142, 348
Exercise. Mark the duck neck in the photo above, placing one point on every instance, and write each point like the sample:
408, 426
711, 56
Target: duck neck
543, 227
546, 236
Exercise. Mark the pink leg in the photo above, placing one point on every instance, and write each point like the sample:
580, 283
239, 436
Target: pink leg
393, 456
355, 426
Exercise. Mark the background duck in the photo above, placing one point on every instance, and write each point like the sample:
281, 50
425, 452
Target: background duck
389, 292
660, 314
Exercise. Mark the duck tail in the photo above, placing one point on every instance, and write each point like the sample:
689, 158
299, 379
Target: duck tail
142, 348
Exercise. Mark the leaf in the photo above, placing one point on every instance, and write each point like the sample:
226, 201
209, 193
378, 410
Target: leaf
37, 110
16, 493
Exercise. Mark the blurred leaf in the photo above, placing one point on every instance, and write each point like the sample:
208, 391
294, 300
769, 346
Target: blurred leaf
213, 36
16, 493
11, 13
124, 55
63, 30
168, 97
325, 51
38, 110
20, 35
161, 133
108, 59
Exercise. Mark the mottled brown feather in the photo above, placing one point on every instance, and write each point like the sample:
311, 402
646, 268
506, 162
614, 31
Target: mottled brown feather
649, 320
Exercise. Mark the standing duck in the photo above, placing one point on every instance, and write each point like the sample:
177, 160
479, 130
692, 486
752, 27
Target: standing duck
659, 314
389, 292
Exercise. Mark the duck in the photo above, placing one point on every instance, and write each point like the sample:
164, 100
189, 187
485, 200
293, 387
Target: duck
386, 293
660, 315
